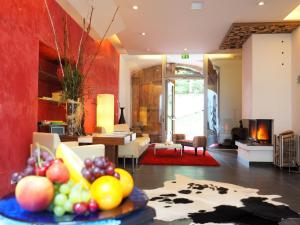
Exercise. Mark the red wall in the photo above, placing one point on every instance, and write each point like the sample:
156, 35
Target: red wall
23, 24
51, 111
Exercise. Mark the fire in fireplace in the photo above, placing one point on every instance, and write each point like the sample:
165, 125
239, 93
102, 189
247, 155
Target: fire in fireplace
260, 130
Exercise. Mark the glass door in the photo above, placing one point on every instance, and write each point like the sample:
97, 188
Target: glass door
189, 109
170, 109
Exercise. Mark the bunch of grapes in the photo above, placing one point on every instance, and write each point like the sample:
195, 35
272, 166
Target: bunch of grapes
32, 167
97, 167
70, 197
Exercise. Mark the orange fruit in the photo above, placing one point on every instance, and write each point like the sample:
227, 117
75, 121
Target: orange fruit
107, 192
126, 181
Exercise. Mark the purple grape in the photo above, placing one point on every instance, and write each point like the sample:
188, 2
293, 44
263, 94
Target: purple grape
105, 165
88, 163
35, 153
111, 164
80, 208
92, 179
110, 170
44, 155
86, 173
49, 159
117, 175
14, 178
31, 161
96, 172
95, 159
93, 206
20, 176
99, 163
29, 170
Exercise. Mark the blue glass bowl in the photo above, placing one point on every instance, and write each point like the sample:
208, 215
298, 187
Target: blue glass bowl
10, 208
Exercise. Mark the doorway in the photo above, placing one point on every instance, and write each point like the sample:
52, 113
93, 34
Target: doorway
184, 90
189, 107
185, 107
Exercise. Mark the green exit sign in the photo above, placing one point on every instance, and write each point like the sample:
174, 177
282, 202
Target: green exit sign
185, 56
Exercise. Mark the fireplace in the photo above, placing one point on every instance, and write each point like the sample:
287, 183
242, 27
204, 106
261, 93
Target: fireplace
261, 131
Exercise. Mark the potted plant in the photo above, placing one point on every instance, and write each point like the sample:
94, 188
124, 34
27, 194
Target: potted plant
74, 69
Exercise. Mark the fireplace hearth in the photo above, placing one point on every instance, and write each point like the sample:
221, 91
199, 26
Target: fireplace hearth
261, 131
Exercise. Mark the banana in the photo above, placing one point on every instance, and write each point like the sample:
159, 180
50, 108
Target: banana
73, 163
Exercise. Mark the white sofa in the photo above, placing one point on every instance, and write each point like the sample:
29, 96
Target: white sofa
133, 149
52, 140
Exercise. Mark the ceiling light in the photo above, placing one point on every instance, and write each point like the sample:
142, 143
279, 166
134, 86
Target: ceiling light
294, 15
144, 34
261, 3
135, 7
197, 5
185, 49
221, 56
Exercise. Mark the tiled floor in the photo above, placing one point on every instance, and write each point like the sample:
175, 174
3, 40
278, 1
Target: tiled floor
267, 179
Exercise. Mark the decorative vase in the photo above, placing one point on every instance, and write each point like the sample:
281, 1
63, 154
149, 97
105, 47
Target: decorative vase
74, 117
122, 118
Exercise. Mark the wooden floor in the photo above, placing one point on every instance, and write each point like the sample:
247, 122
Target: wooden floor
267, 179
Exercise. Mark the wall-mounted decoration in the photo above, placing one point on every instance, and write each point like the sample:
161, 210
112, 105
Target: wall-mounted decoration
239, 32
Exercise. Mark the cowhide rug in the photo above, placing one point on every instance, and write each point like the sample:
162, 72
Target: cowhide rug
210, 202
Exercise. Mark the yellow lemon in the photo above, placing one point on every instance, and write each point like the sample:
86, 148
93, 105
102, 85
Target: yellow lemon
126, 181
107, 192
73, 163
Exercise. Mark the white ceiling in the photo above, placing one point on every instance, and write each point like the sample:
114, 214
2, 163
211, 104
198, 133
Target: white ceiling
171, 26
102, 15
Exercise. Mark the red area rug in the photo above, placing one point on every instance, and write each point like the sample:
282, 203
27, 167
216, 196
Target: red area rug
170, 157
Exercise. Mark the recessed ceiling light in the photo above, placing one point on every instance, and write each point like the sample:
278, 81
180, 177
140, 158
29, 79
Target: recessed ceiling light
197, 5
185, 49
135, 7
144, 34
261, 3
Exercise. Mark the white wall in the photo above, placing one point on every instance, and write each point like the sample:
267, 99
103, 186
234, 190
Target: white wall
247, 79
125, 88
230, 98
295, 85
270, 75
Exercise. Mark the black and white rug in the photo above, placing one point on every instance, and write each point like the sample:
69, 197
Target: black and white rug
209, 202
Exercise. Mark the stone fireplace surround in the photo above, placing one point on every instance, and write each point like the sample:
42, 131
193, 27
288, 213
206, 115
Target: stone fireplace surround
258, 148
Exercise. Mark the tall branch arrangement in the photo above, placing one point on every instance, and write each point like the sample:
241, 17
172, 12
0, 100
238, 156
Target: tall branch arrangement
72, 66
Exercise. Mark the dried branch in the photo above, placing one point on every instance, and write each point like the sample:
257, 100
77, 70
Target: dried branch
83, 43
55, 37
100, 44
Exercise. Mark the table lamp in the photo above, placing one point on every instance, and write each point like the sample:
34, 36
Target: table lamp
105, 113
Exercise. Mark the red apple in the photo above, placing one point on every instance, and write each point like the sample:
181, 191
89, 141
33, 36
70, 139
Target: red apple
34, 193
58, 173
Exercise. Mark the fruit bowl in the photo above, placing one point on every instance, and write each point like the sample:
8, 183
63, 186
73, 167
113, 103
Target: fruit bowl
10, 208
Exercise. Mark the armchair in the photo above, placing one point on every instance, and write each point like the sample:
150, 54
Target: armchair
52, 140
198, 141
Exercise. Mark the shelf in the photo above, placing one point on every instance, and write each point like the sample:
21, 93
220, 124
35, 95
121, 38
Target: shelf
50, 100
